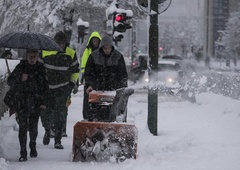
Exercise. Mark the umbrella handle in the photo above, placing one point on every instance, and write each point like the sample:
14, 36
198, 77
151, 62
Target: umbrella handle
8, 69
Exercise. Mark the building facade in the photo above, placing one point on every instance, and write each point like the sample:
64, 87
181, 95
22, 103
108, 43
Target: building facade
216, 14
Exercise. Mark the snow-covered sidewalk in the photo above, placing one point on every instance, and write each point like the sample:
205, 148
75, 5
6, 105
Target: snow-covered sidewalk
191, 136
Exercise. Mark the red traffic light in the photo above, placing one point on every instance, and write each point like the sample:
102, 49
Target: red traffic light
119, 17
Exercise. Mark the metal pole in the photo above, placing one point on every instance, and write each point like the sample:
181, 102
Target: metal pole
153, 54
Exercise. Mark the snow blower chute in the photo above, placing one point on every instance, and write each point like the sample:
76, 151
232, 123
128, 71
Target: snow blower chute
106, 136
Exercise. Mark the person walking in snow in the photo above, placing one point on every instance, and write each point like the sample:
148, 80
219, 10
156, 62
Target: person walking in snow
28, 80
62, 73
92, 44
105, 69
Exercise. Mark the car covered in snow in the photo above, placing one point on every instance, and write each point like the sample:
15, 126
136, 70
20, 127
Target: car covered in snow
169, 62
173, 76
169, 77
169, 73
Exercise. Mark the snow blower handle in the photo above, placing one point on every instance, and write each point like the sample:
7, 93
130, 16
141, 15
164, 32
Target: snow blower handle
89, 89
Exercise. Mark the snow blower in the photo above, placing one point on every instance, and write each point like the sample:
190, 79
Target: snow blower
106, 136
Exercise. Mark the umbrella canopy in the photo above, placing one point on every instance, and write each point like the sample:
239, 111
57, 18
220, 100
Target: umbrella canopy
29, 40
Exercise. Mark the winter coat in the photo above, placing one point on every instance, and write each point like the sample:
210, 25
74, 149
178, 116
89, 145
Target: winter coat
29, 94
62, 68
106, 72
88, 50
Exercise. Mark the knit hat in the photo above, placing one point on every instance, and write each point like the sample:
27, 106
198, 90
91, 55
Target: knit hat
32, 51
60, 36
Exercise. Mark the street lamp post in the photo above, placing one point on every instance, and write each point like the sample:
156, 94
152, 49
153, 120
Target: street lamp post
153, 54
153, 12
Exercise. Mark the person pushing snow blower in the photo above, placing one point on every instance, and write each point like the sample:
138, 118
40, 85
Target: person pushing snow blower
98, 138
105, 69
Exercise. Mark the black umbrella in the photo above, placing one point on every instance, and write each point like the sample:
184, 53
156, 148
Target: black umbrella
29, 40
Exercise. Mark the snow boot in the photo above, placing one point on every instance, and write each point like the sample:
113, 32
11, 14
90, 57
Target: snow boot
52, 133
58, 146
64, 134
33, 151
23, 156
46, 138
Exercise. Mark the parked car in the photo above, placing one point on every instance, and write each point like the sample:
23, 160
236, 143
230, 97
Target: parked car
171, 68
172, 76
170, 62
169, 74
166, 76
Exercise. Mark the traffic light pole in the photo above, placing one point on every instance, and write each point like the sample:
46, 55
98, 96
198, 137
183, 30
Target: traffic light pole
153, 54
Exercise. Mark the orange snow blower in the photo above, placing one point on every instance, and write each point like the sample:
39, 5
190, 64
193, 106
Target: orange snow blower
106, 136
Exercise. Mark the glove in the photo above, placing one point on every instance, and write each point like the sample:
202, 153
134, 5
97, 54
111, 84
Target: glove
89, 89
75, 89
71, 85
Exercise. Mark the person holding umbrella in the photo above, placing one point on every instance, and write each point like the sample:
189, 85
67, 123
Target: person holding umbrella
29, 83
62, 73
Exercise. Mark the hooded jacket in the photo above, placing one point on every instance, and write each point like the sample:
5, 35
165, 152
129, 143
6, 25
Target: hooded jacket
106, 72
88, 50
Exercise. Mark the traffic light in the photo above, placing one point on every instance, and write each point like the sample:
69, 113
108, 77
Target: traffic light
117, 21
82, 29
121, 24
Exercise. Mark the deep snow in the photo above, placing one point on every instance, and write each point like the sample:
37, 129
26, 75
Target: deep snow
191, 136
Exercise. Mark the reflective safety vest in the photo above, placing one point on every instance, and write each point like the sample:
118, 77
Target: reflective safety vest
61, 68
88, 50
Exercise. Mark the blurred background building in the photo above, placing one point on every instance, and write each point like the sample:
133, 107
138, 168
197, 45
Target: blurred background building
216, 15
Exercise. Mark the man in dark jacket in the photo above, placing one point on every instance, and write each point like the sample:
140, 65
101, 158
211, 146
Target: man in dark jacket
29, 83
106, 68
62, 73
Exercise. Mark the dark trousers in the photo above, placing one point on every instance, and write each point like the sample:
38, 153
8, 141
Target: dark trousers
57, 110
28, 123
85, 110
64, 130
46, 119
